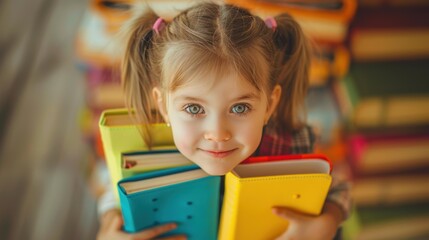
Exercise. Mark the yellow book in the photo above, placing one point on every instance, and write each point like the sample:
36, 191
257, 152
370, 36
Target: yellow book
120, 135
252, 190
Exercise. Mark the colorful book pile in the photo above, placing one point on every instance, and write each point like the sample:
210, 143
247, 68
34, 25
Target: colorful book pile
385, 99
161, 186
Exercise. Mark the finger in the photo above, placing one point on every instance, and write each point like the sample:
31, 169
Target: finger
155, 231
108, 218
176, 237
116, 223
288, 214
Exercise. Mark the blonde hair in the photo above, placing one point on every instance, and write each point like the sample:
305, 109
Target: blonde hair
209, 36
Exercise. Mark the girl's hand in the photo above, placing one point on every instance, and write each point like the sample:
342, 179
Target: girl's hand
301, 226
111, 224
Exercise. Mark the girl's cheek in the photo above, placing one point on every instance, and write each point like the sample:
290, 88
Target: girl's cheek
181, 145
184, 139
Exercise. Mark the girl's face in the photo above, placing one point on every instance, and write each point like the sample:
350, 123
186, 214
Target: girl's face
217, 125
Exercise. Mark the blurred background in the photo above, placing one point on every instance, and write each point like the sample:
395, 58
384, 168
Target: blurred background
368, 101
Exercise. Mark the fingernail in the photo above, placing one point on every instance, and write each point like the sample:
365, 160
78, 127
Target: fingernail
275, 210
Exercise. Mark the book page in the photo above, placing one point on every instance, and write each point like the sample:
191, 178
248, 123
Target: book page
157, 158
146, 184
282, 168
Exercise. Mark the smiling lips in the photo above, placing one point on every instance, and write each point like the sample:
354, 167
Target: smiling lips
219, 154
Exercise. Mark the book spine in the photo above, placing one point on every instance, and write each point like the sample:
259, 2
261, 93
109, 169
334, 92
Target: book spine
352, 93
107, 146
229, 213
127, 214
390, 190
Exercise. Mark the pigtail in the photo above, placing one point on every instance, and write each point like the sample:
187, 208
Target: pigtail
291, 72
137, 71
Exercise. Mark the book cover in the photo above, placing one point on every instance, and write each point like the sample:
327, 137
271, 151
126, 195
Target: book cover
185, 195
385, 94
120, 135
300, 182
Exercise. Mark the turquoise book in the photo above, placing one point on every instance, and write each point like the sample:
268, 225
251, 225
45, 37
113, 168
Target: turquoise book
185, 195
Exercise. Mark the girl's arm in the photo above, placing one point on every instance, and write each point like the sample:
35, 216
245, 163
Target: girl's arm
325, 226
303, 226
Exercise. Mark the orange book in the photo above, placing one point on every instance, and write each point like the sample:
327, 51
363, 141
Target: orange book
114, 12
327, 23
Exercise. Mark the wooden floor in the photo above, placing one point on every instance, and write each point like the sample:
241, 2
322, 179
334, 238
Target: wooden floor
43, 158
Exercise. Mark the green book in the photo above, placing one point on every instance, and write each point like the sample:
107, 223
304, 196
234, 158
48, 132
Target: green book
386, 94
409, 221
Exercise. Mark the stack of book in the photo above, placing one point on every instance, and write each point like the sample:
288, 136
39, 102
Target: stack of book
160, 186
385, 99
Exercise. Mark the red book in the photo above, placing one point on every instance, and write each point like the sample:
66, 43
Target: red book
388, 153
390, 33
291, 157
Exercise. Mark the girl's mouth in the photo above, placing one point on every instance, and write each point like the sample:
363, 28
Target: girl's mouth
219, 154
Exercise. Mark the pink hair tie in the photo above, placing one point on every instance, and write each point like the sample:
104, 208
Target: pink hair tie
158, 25
271, 23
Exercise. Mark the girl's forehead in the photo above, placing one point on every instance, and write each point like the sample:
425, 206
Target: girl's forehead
222, 80
191, 66
218, 85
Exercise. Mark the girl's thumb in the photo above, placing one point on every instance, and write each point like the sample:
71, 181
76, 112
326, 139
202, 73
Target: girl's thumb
286, 213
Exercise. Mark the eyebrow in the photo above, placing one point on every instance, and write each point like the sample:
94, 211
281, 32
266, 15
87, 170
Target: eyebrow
248, 96
188, 99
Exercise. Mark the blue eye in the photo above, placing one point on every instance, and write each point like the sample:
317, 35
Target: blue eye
194, 109
240, 108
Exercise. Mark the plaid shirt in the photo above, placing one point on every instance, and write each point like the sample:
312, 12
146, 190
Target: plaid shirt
300, 142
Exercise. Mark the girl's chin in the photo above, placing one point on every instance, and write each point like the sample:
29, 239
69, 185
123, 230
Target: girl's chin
216, 171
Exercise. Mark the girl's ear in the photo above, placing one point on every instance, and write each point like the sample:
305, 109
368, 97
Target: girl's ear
273, 102
160, 103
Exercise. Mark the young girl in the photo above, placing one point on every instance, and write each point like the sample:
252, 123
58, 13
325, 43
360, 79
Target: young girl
230, 85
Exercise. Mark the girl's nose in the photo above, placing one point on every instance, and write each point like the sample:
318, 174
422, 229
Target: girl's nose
217, 132
217, 136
